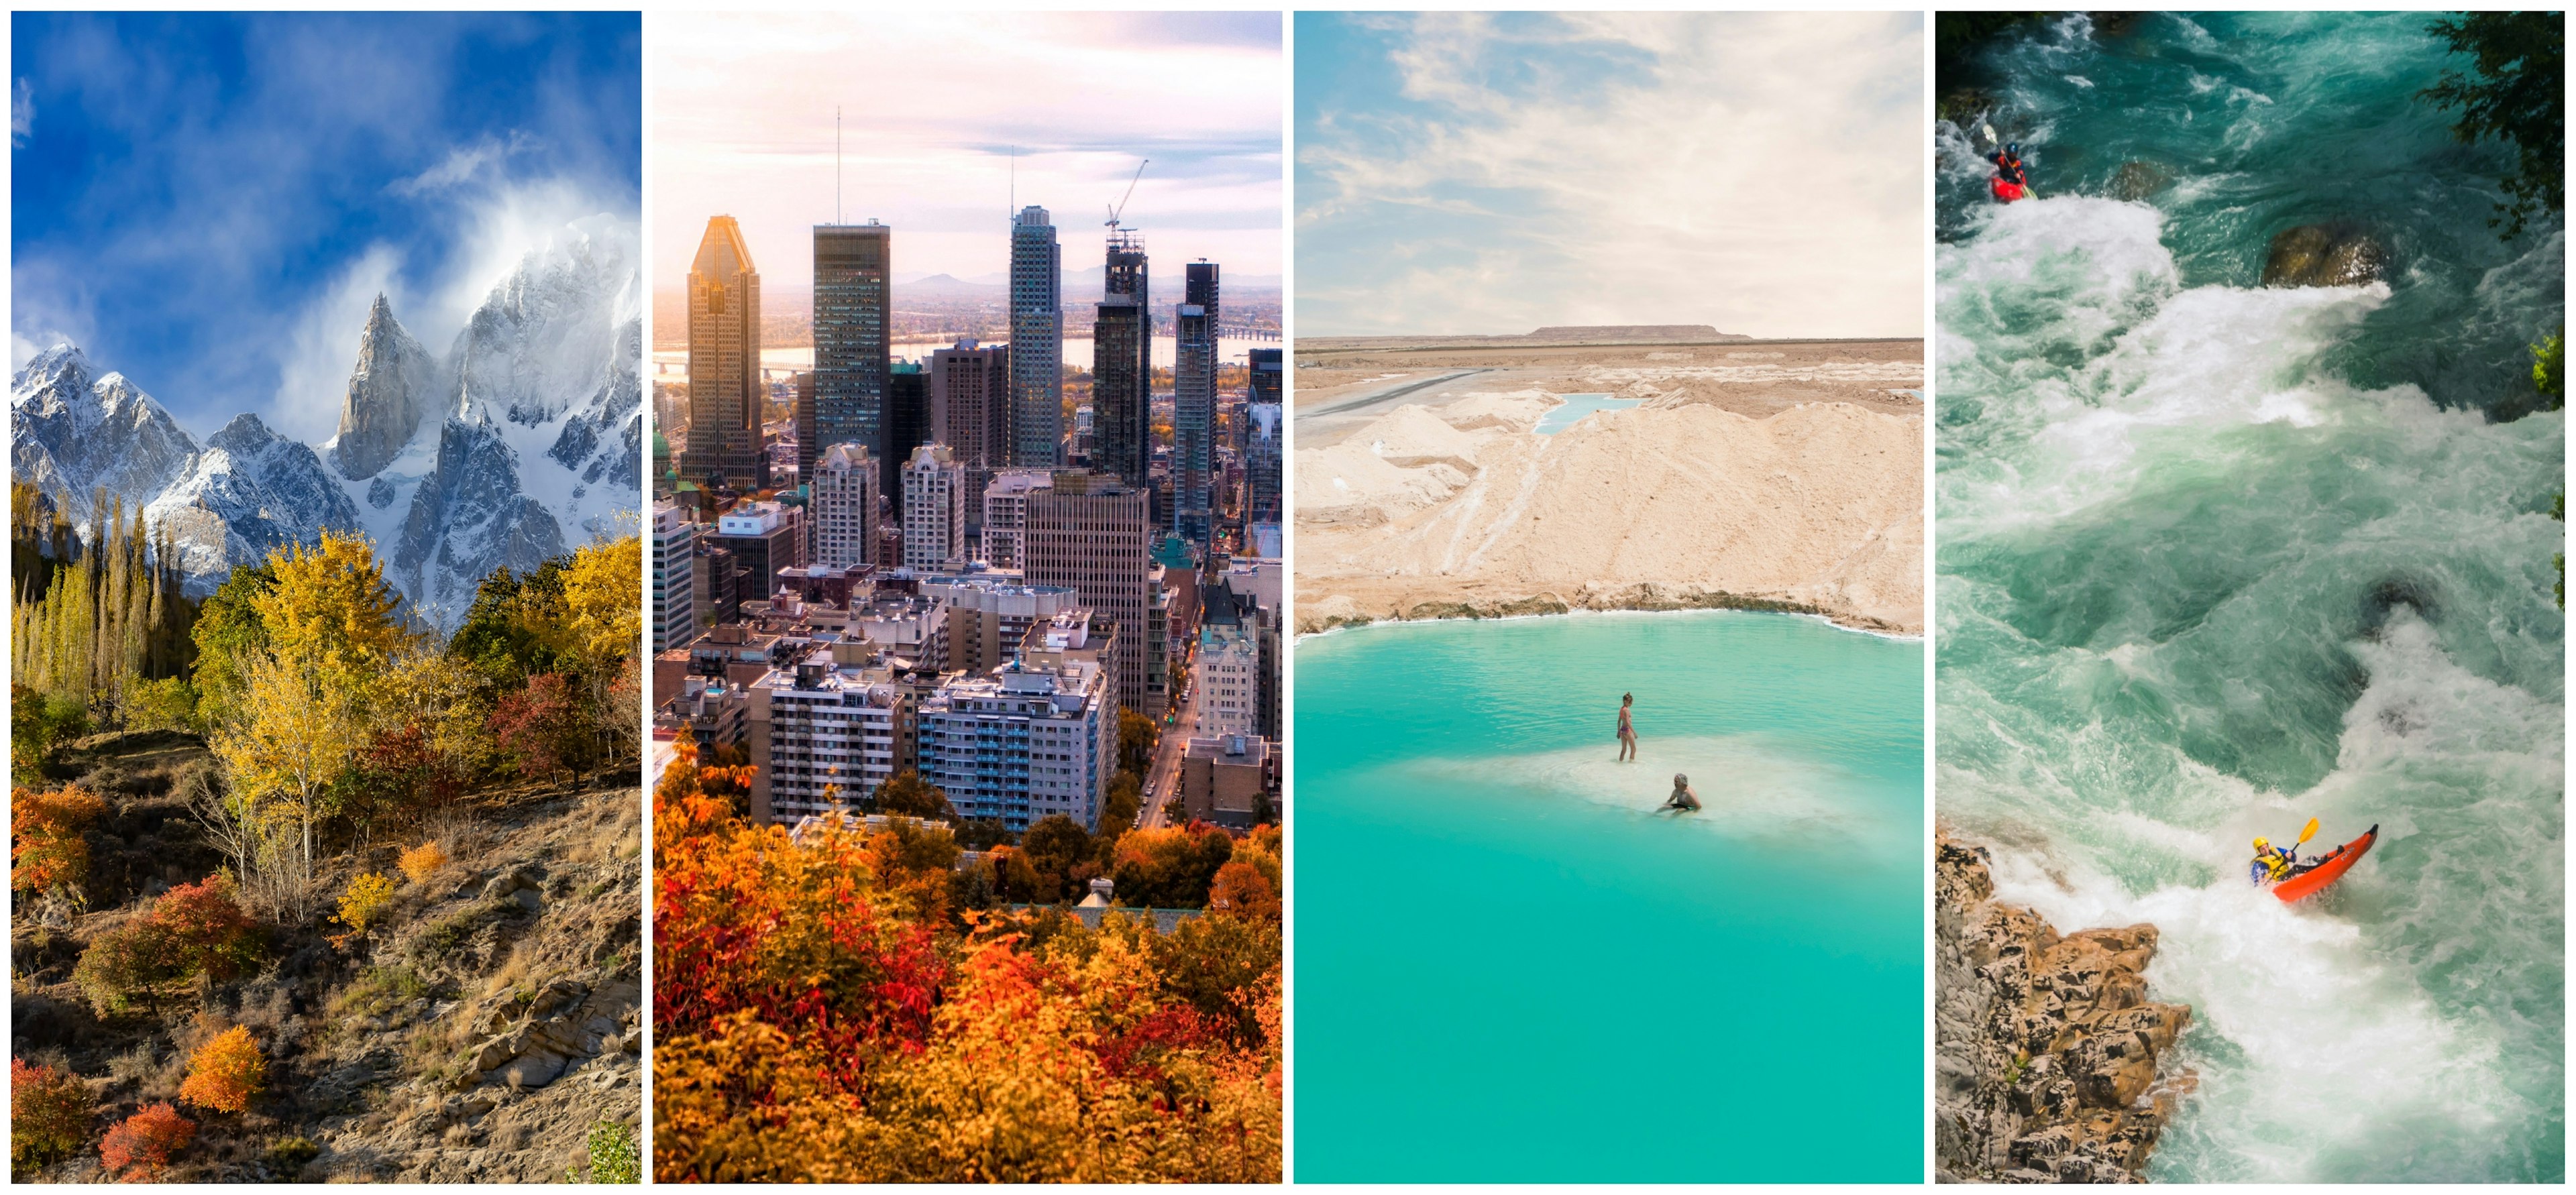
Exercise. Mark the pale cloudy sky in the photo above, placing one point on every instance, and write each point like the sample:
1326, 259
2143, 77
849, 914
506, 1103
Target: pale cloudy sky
932, 106
1493, 173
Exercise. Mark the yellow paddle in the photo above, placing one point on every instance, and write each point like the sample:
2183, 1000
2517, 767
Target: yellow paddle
2308, 833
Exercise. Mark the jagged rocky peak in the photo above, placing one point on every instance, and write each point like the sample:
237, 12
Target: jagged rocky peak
547, 333
390, 389
71, 434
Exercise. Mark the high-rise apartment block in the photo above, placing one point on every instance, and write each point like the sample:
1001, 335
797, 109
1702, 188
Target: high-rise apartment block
675, 547
725, 394
843, 499
1194, 405
1265, 444
970, 412
1227, 675
1023, 742
1093, 534
934, 509
825, 736
853, 298
1006, 508
1037, 341
1122, 372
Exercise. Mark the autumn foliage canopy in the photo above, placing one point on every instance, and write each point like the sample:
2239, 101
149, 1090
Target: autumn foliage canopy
225, 1072
824, 1012
49, 1113
46, 850
143, 1145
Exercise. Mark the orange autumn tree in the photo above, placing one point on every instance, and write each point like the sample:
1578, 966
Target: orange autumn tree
225, 1072
144, 1143
822, 1015
46, 850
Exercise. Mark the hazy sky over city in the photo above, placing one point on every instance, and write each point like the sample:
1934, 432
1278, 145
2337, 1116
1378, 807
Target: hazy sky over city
1494, 173
932, 105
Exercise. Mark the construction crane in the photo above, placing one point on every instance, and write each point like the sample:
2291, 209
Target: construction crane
1131, 193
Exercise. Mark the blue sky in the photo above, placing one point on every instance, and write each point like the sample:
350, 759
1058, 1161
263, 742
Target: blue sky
743, 109
209, 202
1496, 172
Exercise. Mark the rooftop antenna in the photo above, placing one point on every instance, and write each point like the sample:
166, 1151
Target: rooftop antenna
1131, 193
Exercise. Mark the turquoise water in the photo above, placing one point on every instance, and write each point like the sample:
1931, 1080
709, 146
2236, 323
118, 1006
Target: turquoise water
1509, 970
1577, 406
2216, 559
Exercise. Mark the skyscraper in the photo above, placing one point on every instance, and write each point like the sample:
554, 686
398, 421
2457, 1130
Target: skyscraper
907, 421
970, 412
675, 548
1122, 385
1037, 341
1264, 447
843, 498
852, 294
724, 362
934, 509
1194, 405
1092, 534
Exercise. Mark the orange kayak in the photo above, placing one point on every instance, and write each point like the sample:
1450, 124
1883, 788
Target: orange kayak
2327, 870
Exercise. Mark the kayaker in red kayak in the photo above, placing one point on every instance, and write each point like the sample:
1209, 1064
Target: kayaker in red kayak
2012, 178
2272, 863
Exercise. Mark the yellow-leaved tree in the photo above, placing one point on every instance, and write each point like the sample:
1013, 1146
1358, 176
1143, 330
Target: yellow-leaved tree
331, 632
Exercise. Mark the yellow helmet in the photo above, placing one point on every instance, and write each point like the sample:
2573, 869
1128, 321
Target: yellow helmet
2262, 844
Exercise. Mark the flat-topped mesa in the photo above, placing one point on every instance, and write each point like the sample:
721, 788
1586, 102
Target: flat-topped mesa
388, 392
1613, 332
2045, 1048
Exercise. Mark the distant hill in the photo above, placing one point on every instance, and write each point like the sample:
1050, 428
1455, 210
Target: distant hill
1654, 332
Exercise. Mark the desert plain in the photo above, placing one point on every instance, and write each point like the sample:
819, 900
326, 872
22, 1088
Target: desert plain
1430, 482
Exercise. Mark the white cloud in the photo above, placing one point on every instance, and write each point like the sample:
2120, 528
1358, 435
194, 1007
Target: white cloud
462, 165
1756, 176
22, 113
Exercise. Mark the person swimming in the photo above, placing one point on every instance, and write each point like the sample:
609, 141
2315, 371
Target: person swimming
1627, 730
1683, 799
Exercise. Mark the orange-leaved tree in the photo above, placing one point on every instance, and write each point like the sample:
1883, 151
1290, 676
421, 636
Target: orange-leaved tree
46, 850
225, 1072
49, 1114
142, 1145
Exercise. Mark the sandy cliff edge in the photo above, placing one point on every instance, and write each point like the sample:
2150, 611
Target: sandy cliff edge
1463, 511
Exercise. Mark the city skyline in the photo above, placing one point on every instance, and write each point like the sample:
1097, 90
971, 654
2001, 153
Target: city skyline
1070, 103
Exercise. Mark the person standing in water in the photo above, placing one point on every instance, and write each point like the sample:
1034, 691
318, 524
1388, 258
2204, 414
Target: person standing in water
1627, 730
1683, 799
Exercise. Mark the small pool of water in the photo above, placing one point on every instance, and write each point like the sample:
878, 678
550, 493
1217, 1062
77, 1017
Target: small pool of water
1576, 407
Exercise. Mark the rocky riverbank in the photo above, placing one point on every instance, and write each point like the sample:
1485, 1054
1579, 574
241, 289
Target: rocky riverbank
2046, 1047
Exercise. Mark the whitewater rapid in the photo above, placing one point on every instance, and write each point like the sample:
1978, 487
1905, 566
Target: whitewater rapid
2211, 563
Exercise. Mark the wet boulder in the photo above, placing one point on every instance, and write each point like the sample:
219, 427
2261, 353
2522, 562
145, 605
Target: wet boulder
2324, 255
2136, 181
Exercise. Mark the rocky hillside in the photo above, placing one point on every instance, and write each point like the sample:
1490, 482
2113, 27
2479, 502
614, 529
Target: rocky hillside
475, 1033
2045, 1047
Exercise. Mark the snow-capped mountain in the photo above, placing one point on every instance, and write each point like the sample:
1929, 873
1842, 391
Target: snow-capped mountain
525, 440
71, 435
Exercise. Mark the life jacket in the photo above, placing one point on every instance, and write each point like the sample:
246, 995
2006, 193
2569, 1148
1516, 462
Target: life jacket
2274, 863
